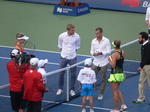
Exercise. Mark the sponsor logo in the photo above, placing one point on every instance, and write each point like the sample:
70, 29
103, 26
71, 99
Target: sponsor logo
59, 9
63, 10
132, 3
83, 9
146, 4
136, 3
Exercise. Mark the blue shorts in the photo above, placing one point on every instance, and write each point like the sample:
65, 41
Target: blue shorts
87, 90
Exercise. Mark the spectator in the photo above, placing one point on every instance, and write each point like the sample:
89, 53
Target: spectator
63, 2
144, 67
68, 43
15, 72
100, 49
33, 87
147, 19
42, 65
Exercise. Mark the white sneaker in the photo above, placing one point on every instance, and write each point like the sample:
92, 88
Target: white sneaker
100, 97
59, 92
91, 110
123, 107
114, 111
72, 93
83, 110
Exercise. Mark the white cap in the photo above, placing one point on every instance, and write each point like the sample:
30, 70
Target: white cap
24, 37
15, 52
34, 61
42, 62
88, 62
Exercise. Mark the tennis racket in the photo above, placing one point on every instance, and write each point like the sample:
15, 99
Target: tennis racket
29, 47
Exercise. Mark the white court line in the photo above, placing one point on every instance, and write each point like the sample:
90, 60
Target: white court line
4, 86
4, 58
59, 53
43, 51
136, 40
75, 105
5, 96
47, 63
70, 104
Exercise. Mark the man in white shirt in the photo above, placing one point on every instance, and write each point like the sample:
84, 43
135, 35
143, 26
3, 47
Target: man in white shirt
100, 50
68, 43
147, 20
87, 78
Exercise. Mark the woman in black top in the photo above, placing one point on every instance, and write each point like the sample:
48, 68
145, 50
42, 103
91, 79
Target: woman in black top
116, 61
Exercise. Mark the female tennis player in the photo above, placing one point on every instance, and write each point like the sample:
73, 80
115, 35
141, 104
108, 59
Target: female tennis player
116, 61
21, 38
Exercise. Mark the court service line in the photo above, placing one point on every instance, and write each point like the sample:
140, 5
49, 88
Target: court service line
5, 58
59, 64
44, 51
4, 86
47, 63
5, 96
124, 45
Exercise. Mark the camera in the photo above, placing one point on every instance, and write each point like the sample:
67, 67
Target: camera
21, 57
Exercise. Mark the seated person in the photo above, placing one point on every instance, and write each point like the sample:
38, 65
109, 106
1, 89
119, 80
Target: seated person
62, 2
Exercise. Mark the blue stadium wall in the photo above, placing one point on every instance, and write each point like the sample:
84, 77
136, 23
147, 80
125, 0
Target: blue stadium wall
139, 6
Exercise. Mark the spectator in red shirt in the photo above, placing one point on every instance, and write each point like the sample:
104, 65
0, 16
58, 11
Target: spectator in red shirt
16, 81
62, 2
33, 87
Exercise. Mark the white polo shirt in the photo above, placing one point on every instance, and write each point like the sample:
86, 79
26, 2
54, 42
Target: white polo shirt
42, 71
87, 76
69, 45
147, 17
104, 47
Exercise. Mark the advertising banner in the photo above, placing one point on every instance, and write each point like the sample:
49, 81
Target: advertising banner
71, 11
139, 6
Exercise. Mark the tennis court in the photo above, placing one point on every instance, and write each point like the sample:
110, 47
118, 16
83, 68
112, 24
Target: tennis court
43, 28
50, 98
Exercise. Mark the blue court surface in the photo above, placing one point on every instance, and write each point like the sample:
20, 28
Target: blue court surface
129, 87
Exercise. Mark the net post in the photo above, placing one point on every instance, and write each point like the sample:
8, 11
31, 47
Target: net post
67, 85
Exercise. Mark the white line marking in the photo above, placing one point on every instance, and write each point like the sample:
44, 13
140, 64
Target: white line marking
5, 96
4, 86
45, 51
70, 104
75, 105
4, 58
124, 45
